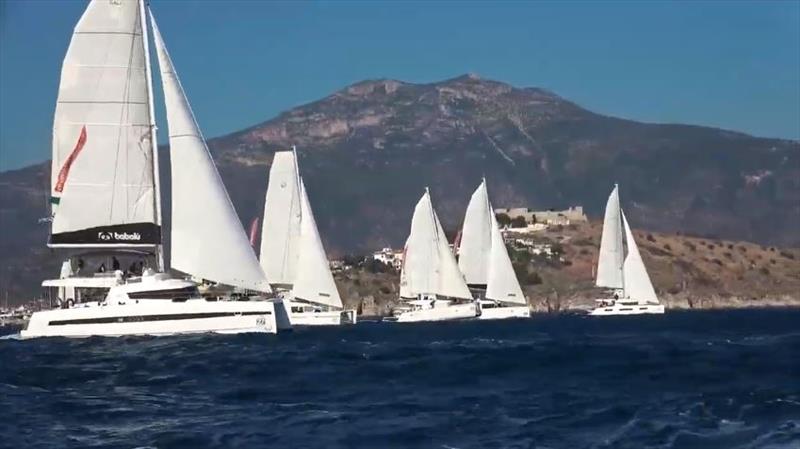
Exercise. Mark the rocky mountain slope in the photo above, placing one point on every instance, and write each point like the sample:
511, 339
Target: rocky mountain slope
367, 151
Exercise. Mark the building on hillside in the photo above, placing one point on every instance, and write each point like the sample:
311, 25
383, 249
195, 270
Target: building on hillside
389, 257
551, 217
537, 249
531, 228
338, 265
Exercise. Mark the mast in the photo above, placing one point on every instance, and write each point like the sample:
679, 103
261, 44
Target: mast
153, 137
296, 173
619, 233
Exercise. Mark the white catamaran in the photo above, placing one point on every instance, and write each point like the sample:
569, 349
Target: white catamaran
431, 285
105, 194
625, 275
483, 258
292, 254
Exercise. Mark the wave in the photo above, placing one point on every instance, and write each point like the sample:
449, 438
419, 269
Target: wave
690, 380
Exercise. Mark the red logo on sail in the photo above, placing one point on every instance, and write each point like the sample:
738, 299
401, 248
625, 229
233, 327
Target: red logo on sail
253, 232
457, 243
62, 175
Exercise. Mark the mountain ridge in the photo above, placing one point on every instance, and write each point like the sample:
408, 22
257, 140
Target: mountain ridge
367, 151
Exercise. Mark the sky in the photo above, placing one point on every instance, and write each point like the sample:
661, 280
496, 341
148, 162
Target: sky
727, 64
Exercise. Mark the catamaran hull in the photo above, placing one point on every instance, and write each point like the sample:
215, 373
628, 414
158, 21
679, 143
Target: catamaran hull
444, 313
618, 309
154, 317
502, 313
331, 318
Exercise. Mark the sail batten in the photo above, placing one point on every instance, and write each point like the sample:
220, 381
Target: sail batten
207, 238
104, 189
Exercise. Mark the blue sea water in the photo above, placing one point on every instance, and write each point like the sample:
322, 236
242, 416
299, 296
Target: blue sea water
716, 379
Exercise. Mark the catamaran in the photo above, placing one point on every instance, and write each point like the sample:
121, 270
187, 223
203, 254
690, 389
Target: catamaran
483, 259
431, 286
292, 254
106, 195
633, 293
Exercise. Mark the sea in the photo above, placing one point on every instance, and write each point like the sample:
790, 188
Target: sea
691, 379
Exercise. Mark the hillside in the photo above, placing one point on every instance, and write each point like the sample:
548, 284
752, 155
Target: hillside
367, 151
687, 272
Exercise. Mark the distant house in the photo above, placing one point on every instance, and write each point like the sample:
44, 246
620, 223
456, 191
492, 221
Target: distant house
338, 265
534, 248
529, 229
551, 217
389, 257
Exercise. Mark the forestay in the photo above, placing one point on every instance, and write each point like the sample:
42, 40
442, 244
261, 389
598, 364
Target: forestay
207, 238
102, 178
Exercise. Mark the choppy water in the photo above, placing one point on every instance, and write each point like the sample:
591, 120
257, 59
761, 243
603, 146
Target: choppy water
684, 380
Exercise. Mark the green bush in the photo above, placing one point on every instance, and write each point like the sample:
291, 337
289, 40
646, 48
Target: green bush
519, 222
503, 219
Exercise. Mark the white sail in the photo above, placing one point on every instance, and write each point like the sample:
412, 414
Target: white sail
609, 263
419, 254
637, 281
103, 185
280, 231
207, 238
476, 238
314, 281
502, 283
429, 266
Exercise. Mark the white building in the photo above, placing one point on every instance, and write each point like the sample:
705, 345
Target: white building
389, 257
548, 217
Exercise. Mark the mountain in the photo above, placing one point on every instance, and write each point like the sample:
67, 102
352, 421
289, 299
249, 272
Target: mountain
367, 151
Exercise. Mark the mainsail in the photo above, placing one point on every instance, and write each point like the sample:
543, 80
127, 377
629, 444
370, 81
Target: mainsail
609, 264
476, 238
280, 231
637, 281
104, 178
207, 238
429, 266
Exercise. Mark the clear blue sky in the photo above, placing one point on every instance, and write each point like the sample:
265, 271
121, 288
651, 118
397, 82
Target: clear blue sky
734, 65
